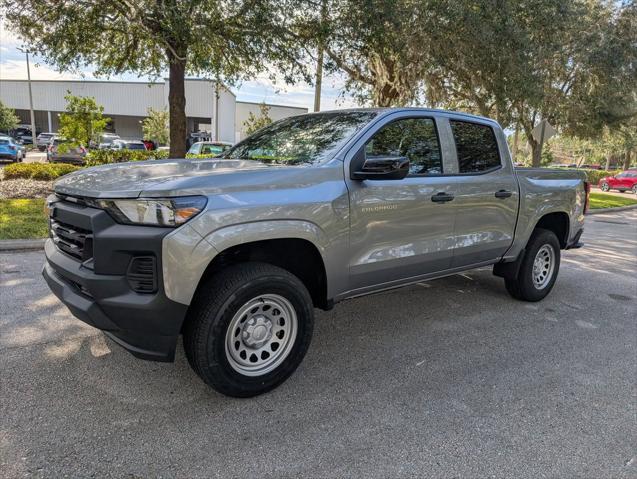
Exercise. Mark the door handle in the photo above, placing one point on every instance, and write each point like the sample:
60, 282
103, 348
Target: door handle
503, 194
441, 197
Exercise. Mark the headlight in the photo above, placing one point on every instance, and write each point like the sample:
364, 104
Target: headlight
171, 212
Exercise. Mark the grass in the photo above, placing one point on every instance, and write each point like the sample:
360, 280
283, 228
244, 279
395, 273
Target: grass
23, 219
602, 200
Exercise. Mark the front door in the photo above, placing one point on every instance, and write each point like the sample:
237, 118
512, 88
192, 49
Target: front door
397, 231
487, 196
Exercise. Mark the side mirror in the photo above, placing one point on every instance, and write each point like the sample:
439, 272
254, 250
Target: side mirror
382, 168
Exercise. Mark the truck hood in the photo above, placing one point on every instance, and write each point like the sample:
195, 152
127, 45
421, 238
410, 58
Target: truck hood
158, 178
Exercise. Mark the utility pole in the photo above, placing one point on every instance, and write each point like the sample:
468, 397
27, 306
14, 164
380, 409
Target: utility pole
319, 61
33, 134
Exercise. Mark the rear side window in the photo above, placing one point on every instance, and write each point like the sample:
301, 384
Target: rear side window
413, 138
476, 146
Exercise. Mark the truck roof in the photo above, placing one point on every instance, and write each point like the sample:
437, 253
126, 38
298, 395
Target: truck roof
388, 110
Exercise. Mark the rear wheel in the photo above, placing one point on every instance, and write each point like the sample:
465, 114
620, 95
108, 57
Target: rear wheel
604, 186
249, 329
634, 189
539, 268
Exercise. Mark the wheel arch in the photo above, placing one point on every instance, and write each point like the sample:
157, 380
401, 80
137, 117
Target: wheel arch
297, 255
559, 223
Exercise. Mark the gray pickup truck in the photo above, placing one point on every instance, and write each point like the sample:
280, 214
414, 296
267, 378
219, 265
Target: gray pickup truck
235, 252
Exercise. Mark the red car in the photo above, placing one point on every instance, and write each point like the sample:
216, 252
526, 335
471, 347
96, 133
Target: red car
624, 181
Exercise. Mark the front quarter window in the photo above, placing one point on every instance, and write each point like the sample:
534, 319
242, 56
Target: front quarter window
306, 139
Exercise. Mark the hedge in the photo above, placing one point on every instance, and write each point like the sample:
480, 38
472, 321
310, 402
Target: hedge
38, 171
595, 175
103, 157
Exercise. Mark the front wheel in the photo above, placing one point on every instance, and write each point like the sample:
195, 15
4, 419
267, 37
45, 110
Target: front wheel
539, 267
249, 329
604, 186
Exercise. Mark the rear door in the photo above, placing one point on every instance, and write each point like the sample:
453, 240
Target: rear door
397, 231
487, 194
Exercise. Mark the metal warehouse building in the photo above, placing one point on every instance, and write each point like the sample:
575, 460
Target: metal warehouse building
208, 109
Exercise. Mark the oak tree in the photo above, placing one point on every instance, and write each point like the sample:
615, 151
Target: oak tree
221, 39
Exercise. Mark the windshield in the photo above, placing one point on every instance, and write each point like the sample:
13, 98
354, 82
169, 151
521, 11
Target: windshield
305, 139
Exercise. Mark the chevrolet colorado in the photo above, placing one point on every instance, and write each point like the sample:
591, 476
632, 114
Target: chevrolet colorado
235, 252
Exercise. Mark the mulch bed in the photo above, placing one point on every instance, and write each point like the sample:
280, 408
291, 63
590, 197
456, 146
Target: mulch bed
13, 189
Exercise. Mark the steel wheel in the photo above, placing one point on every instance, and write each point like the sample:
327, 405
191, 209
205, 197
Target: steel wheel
261, 335
543, 266
604, 187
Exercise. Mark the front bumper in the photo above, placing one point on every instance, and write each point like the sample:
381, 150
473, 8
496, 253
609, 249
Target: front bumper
98, 291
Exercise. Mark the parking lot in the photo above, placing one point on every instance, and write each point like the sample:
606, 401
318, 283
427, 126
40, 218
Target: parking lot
451, 378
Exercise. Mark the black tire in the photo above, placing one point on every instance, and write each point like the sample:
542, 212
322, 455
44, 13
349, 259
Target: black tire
217, 302
523, 287
604, 187
634, 189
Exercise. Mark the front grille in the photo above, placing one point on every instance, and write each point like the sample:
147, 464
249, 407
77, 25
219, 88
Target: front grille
72, 240
141, 274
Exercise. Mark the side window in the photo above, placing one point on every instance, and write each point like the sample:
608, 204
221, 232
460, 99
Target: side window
414, 138
476, 146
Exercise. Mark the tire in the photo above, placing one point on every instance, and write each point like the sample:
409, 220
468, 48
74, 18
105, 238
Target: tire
535, 286
604, 186
223, 317
634, 189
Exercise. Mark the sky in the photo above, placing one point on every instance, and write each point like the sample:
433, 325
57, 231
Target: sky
13, 66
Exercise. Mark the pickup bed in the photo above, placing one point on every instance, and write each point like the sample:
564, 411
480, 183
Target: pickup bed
235, 252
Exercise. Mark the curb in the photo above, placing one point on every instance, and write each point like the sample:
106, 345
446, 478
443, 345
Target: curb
22, 245
601, 211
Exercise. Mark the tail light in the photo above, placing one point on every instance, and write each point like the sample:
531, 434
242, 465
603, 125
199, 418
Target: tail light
50, 148
12, 148
587, 190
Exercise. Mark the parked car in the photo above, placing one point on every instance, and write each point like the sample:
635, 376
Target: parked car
212, 148
127, 145
236, 252
23, 135
68, 154
10, 149
106, 140
625, 181
43, 140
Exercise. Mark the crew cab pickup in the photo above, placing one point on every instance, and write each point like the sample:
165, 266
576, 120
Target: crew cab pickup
235, 252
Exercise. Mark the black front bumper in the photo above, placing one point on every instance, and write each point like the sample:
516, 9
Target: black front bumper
98, 291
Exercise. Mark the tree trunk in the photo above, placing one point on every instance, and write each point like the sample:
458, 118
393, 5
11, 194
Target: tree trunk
627, 160
536, 152
177, 107
516, 139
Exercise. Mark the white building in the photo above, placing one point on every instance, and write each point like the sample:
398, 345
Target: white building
127, 103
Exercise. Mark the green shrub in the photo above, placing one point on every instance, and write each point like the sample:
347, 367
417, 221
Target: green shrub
103, 157
37, 171
594, 176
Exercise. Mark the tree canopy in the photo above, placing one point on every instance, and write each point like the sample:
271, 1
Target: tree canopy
8, 119
82, 122
156, 126
222, 39
572, 62
254, 122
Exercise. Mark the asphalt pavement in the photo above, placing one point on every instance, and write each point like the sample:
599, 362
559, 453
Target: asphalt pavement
450, 378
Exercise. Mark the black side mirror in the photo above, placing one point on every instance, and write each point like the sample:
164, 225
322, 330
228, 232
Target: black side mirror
382, 168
